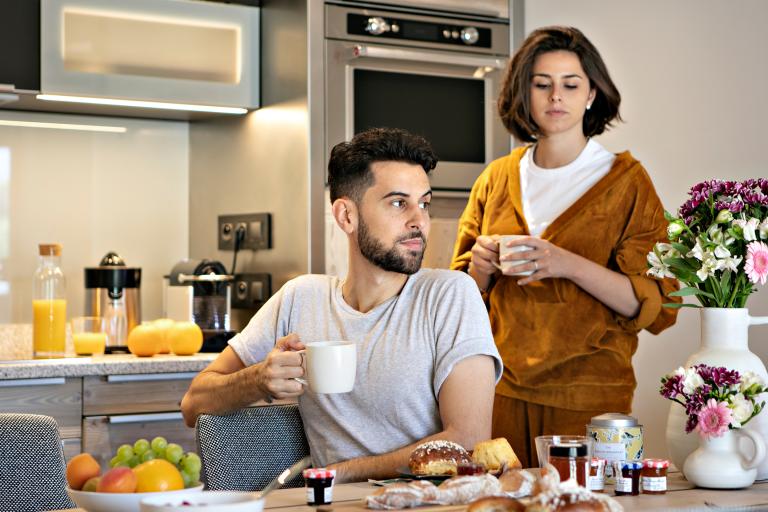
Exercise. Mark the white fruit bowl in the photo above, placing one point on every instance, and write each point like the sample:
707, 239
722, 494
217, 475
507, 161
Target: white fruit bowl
124, 502
207, 501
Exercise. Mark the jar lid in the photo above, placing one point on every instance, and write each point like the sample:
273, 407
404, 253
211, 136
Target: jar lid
49, 249
319, 473
613, 419
631, 464
568, 450
597, 461
656, 463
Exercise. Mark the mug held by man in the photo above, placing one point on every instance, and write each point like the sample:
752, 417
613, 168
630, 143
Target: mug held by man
330, 366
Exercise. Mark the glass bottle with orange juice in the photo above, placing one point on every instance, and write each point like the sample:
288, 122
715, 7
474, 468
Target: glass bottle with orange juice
49, 304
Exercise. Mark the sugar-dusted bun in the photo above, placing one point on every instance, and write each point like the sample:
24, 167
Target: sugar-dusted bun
461, 490
494, 454
496, 504
403, 495
570, 497
437, 457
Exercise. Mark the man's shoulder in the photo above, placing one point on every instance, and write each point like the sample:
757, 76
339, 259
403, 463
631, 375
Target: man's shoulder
309, 283
439, 278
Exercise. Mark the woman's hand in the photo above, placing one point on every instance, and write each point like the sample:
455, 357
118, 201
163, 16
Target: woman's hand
546, 260
485, 255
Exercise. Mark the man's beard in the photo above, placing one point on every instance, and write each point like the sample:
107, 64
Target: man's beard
390, 259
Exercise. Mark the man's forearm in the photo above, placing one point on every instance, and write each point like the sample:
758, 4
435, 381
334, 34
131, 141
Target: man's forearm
217, 393
386, 465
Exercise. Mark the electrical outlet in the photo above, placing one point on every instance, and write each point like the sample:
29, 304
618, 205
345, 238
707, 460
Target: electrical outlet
256, 229
250, 291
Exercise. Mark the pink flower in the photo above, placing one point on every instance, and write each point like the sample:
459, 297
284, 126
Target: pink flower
756, 265
714, 419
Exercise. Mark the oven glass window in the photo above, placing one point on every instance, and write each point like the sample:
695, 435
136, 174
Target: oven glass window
448, 112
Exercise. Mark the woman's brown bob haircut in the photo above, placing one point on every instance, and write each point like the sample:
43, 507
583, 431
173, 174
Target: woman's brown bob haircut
515, 96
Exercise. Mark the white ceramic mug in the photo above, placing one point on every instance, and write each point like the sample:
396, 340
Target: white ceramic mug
504, 250
330, 366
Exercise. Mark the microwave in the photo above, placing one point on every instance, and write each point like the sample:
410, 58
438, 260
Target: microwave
116, 54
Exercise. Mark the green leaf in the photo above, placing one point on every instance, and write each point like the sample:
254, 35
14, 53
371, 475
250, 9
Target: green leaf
690, 290
674, 305
669, 216
682, 249
680, 263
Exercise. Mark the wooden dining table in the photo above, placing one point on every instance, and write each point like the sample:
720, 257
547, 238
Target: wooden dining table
680, 496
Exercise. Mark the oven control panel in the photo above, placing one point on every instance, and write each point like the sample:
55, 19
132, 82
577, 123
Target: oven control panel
412, 30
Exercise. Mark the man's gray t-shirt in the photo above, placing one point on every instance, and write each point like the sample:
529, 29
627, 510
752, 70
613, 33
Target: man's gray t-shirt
406, 348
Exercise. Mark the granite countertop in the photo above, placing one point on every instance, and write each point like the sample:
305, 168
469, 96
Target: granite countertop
111, 364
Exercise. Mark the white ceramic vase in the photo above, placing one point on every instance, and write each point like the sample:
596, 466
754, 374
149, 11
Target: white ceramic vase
724, 342
720, 462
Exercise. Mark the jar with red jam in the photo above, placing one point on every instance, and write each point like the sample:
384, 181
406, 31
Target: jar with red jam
627, 474
319, 485
596, 478
654, 476
571, 462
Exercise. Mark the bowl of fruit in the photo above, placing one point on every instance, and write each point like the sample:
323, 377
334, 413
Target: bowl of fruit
137, 471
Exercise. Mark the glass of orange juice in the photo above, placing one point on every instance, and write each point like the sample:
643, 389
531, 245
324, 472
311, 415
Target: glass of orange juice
89, 335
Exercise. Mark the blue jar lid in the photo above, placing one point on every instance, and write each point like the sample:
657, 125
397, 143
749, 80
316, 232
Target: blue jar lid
632, 464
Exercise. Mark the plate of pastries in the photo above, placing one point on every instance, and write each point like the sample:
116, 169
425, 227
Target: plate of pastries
503, 487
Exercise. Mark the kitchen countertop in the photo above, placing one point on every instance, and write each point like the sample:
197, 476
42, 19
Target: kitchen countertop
110, 364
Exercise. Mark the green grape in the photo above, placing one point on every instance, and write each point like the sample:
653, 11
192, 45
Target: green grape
188, 480
113, 461
133, 461
173, 453
125, 452
159, 444
191, 462
141, 446
159, 454
147, 455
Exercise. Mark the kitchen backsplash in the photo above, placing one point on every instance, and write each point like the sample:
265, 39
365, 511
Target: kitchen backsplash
63, 180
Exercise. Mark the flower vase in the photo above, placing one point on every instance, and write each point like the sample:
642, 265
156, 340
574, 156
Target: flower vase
724, 342
720, 462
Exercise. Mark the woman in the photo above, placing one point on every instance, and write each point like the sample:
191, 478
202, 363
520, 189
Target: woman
568, 331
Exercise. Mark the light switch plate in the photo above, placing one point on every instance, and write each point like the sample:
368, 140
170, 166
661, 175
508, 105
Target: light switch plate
256, 228
251, 291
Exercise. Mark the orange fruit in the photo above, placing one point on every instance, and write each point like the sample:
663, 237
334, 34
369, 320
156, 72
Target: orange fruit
186, 338
164, 325
119, 479
157, 475
144, 340
80, 468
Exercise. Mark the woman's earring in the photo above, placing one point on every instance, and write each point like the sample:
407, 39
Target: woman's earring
589, 105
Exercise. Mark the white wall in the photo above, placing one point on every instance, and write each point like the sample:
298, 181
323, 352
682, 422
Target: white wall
692, 74
91, 192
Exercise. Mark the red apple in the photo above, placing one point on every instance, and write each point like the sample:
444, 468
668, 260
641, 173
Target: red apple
120, 479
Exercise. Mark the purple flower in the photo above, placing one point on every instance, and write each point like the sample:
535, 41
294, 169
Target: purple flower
692, 423
718, 375
763, 184
671, 387
754, 198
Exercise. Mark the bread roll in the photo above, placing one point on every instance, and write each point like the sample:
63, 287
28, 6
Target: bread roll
496, 504
403, 495
438, 457
461, 490
494, 454
517, 483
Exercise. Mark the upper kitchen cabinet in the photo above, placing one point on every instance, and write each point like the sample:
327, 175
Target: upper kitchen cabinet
175, 59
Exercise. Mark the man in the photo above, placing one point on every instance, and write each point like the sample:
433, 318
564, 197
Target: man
427, 363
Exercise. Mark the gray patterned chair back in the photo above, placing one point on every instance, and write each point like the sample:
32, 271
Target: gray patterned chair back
245, 450
32, 467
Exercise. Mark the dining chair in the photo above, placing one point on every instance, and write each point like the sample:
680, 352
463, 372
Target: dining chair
245, 450
32, 467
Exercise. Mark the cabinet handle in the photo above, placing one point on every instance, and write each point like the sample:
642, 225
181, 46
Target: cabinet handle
145, 418
53, 381
143, 377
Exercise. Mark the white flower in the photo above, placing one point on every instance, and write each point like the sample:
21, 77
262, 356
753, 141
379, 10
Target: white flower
763, 227
749, 379
675, 229
729, 263
691, 380
748, 227
658, 268
741, 409
697, 251
722, 251
709, 265
724, 216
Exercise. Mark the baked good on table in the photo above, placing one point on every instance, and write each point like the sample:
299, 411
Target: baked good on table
461, 490
496, 504
549, 478
494, 454
403, 495
438, 457
517, 483
570, 497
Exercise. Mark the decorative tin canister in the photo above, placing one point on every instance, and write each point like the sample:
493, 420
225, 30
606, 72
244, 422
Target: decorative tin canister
617, 437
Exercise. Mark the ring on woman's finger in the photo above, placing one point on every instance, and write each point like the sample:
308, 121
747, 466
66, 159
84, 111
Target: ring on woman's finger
535, 266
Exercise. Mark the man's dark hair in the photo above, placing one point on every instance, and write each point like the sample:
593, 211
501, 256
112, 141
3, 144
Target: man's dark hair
349, 168
515, 96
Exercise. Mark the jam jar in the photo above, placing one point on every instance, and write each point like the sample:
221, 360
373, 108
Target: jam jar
627, 477
596, 478
470, 468
319, 485
571, 462
654, 476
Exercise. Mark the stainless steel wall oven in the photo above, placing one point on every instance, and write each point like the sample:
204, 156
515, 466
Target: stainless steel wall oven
433, 73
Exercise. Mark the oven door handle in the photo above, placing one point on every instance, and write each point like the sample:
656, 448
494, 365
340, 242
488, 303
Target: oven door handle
376, 52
